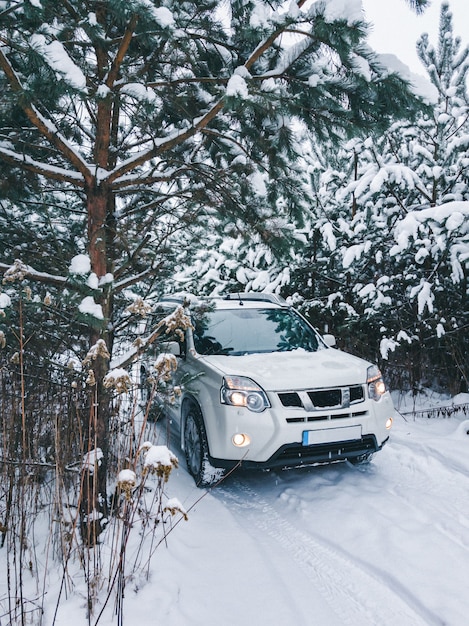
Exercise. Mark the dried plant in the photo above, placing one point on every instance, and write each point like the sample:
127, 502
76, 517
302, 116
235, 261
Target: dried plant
46, 451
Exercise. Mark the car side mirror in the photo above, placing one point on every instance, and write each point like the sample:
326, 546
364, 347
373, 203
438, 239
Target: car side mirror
171, 347
329, 340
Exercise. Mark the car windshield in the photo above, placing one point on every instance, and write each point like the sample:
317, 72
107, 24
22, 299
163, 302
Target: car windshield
247, 331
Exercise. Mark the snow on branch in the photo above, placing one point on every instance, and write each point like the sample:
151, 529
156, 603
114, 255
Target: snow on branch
98, 350
158, 460
45, 127
19, 271
176, 322
89, 307
118, 379
425, 297
162, 145
58, 60
44, 169
334, 10
431, 231
132, 280
92, 460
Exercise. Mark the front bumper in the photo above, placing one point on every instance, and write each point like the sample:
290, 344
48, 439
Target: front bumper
297, 455
277, 435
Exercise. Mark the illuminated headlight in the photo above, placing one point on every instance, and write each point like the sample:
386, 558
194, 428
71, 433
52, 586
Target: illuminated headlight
388, 423
243, 392
376, 386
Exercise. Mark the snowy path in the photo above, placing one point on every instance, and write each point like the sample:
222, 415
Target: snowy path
385, 544
353, 591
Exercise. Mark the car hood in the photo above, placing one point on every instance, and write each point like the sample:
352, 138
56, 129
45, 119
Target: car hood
298, 369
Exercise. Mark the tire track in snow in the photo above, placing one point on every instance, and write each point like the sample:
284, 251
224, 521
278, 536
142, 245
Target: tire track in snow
445, 487
355, 595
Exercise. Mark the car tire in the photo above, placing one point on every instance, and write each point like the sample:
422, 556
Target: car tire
196, 449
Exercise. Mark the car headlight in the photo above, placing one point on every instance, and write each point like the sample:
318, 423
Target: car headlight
243, 392
376, 386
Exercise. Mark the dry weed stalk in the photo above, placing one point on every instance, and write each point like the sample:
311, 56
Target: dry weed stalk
44, 443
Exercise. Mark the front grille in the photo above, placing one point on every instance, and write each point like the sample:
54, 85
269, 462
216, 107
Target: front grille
326, 416
290, 399
326, 398
320, 399
356, 394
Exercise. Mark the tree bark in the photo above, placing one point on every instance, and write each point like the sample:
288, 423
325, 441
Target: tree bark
94, 503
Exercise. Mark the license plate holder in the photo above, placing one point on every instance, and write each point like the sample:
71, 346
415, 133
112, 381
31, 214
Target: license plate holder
331, 435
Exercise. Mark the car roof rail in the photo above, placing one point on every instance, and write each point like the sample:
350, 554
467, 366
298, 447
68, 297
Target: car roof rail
178, 298
256, 296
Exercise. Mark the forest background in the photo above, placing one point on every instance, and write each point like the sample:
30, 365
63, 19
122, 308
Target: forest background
149, 148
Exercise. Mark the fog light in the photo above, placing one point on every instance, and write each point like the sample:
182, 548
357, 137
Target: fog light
240, 440
388, 423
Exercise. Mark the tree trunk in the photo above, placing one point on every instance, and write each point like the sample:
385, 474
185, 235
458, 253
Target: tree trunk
94, 502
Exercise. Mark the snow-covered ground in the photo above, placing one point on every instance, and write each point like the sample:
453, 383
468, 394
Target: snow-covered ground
382, 544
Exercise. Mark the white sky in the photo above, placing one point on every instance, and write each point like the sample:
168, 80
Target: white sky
396, 27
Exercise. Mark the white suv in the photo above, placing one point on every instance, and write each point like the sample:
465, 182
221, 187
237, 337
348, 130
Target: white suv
265, 390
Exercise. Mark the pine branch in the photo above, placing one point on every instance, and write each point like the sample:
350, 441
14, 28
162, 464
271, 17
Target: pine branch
43, 169
133, 280
41, 277
418, 5
45, 127
203, 121
121, 53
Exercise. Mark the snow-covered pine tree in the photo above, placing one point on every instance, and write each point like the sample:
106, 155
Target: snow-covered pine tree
401, 255
318, 284
418, 5
150, 117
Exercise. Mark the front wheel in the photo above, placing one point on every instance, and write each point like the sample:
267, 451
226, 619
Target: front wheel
196, 450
